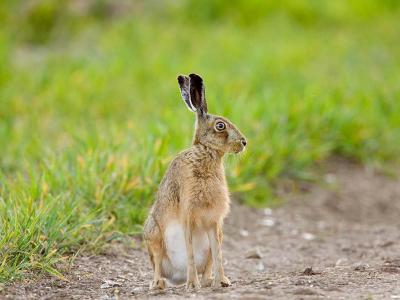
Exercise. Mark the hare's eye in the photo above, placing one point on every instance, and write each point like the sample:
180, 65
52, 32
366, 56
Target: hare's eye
220, 126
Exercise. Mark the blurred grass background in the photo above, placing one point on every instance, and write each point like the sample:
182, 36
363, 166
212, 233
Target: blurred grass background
90, 111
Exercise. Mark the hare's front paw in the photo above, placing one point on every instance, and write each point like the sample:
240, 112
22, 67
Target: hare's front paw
193, 284
224, 282
206, 282
158, 284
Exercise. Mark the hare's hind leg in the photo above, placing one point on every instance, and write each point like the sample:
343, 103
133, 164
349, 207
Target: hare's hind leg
154, 243
156, 254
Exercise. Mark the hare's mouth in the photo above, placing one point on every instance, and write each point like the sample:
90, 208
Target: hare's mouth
239, 148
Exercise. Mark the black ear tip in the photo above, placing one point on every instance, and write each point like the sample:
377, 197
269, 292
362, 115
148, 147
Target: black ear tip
181, 79
196, 78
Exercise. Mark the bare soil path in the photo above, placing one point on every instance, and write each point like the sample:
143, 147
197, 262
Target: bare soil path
339, 239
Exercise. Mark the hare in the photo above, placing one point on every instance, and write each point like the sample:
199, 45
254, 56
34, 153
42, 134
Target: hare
183, 231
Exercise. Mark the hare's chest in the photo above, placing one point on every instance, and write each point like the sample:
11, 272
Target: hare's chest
205, 195
212, 207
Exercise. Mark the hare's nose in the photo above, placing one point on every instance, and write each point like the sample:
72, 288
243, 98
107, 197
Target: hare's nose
244, 142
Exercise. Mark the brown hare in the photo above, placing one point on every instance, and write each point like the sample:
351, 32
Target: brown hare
183, 231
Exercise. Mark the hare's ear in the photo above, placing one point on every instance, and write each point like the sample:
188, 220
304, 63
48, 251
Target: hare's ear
184, 85
197, 94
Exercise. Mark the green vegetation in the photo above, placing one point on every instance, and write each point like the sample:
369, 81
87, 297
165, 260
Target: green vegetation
90, 111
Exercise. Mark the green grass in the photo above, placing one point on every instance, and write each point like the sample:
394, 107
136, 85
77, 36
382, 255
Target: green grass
90, 111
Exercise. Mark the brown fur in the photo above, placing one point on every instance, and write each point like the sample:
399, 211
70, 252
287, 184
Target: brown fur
194, 193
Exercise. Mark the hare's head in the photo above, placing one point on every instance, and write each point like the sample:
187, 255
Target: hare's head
211, 131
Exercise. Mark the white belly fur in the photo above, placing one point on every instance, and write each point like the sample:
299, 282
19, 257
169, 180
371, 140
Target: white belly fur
174, 266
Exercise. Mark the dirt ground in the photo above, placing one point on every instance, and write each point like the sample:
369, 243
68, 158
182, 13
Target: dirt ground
336, 239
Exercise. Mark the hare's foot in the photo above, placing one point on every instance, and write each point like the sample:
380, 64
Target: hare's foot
206, 282
158, 284
221, 281
193, 283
